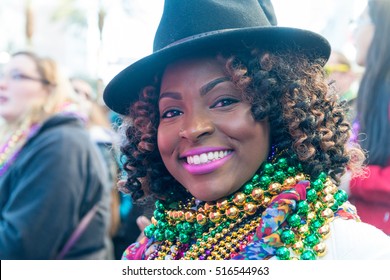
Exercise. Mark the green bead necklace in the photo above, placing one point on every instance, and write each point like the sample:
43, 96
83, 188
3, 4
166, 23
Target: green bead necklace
193, 229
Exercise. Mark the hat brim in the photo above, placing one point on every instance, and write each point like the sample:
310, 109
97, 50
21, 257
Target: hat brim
124, 88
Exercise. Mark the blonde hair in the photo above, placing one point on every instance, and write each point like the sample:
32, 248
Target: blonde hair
60, 94
58, 85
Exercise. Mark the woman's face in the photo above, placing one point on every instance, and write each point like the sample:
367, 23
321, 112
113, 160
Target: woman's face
207, 137
363, 35
21, 88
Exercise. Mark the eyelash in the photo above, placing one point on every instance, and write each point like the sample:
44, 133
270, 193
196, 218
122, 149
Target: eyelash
224, 103
174, 111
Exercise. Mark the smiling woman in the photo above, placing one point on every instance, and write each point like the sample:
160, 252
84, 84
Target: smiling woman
232, 128
213, 118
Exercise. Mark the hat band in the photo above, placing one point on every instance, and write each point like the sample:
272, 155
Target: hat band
197, 36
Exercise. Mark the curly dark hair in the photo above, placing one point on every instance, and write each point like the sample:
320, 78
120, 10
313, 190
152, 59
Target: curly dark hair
306, 120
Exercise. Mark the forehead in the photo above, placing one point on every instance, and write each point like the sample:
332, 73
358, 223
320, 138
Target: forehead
21, 62
206, 67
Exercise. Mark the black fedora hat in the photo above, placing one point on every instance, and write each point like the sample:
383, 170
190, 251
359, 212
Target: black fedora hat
200, 26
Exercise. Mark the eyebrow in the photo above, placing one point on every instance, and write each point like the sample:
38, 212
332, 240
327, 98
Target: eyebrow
203, 90
210, 85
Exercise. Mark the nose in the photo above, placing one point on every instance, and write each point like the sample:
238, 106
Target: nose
196, 126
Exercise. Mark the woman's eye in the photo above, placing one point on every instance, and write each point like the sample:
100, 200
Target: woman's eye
171, 114
224, 102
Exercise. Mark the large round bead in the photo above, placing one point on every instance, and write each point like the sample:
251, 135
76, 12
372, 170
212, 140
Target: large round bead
268, 168
318, 185
279, 176
287, 236
180, 215
190, 216
290, 181
158, 215
184, 238
257, 194
327, 214
222, 204
282, 163
308, 255
300, 177
324, 231
208, 206
311, 195
294, 220
341, 196
311, 215
159, 235
159, 206
149, 230
250, 208
322, 176
201, 219
274, 188
248, 188
239, 199
320, 249
215, 216
187, 227
162, 225
302, 207
304, 230
154, 221
316, 224
264, 181
170, 235
311, 240
328, 199
298, 247
282, 253
232, 212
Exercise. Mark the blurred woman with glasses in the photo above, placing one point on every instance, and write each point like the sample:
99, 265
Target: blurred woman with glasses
50, 176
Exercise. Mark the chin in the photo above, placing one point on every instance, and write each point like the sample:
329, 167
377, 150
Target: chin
204, 196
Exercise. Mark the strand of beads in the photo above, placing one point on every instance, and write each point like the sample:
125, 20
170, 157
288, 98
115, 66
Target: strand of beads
12, 145
308, 226
177, 226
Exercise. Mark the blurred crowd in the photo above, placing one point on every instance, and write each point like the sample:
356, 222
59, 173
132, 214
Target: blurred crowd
61, 165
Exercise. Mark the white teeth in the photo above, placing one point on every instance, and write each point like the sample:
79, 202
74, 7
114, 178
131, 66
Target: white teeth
203, 158
196, 159
206, 157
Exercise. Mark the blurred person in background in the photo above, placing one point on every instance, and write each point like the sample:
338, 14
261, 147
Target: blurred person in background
50, 175
127, 221
371, 192
104, 137
345, 79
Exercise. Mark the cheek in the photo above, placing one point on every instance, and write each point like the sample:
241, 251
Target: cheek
166, 141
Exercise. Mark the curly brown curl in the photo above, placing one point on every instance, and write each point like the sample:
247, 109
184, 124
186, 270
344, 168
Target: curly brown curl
306, 121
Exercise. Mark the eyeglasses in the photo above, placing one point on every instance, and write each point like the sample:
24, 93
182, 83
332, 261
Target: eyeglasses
17, 76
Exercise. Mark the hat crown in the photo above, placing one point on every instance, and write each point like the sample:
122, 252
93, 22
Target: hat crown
187, 18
